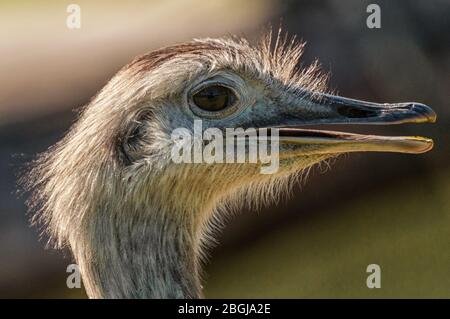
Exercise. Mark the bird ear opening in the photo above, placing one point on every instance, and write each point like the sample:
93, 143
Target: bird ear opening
131, 143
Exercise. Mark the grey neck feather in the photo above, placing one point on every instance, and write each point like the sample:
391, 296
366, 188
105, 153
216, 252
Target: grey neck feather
144, 256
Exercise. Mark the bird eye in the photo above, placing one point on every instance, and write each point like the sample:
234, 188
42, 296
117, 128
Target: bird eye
214, 98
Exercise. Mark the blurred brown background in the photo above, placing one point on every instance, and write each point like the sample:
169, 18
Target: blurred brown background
389, 209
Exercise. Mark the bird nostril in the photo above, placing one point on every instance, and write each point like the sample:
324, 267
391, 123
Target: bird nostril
352, 112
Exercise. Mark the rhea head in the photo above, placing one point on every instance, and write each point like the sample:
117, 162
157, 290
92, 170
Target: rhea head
135, 220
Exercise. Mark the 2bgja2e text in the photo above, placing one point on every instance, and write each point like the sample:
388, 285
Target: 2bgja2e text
225, 308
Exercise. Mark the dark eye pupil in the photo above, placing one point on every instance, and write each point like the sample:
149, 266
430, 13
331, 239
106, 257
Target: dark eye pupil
214, 98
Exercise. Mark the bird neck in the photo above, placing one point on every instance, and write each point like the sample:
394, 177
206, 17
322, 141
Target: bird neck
146, 255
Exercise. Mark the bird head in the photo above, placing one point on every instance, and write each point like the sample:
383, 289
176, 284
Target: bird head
115, 168
227, 84
122, 144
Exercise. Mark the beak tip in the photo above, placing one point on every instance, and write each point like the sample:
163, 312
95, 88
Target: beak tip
427, 145
425, 112
430, 145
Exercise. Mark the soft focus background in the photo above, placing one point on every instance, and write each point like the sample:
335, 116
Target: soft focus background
388, 209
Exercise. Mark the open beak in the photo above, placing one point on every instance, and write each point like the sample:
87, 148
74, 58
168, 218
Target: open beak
330, 109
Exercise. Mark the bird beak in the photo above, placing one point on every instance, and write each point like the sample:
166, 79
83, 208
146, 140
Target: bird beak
329, 109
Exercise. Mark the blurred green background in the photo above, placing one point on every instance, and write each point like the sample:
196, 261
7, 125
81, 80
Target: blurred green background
388, 209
